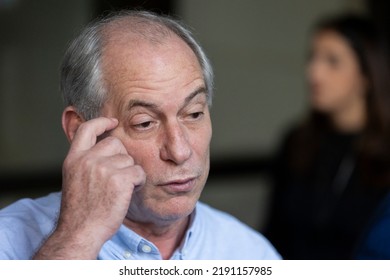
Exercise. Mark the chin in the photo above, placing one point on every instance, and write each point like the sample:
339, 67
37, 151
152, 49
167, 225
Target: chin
176, 208
320, 106
163, 211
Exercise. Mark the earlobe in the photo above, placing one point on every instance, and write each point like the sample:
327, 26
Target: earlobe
71, 120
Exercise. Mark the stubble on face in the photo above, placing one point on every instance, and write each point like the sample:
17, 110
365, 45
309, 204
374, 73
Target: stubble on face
163, 75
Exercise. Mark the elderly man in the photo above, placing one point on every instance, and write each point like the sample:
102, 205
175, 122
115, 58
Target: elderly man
138, 89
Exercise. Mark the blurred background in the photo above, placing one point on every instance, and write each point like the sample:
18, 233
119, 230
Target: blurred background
258, 49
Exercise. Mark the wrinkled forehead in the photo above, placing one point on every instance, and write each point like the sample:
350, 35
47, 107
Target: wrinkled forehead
129, 39
135, 65
138, 58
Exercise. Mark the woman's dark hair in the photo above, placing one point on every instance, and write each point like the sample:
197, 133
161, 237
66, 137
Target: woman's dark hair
373, 147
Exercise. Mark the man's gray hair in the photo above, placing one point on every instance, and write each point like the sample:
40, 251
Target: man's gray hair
82, 82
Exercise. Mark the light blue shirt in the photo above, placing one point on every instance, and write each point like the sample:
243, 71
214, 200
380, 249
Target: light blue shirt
212, 234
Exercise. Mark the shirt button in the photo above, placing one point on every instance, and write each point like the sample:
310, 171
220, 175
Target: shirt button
146, 249
126, 254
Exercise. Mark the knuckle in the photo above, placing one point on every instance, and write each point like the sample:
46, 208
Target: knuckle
112, 143
91, 164
115, 179
111, 140
121, 178
122, 160
68, 162
130, 160
139, 172
88, 161
83, 128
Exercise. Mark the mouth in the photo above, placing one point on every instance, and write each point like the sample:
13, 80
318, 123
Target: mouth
179, 185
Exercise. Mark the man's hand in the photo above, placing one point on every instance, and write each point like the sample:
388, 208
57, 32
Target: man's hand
98, 182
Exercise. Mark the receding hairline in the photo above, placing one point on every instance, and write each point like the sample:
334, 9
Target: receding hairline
83, 83
136, 27
132, 31
132, 36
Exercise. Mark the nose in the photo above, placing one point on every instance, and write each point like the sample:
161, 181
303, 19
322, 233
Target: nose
176, 147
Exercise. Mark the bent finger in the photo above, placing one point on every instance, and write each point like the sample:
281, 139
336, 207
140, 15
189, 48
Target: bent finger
135, 174
88, 132
110, 146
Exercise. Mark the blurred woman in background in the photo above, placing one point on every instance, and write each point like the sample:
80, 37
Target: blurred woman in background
334, 168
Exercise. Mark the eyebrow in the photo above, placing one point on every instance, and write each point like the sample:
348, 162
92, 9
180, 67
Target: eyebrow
196, 92
141, 103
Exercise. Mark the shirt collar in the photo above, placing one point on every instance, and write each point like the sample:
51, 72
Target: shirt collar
182, 251
136, 244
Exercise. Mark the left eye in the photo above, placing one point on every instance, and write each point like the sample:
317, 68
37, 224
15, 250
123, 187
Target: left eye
196, 115
143, 125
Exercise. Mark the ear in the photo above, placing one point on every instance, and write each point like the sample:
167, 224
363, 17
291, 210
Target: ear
71, 120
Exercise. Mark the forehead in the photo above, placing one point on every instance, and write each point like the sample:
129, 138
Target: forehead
331, 39
133, 64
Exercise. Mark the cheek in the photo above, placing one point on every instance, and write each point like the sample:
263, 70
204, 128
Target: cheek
347, 85
336, 84
142, 151
200, 140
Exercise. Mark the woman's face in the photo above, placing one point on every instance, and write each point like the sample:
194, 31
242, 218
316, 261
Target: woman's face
334, 75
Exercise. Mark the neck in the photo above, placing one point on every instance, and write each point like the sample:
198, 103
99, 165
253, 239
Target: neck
166, 238
349, 120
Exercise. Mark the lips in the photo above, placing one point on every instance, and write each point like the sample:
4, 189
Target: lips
179, 185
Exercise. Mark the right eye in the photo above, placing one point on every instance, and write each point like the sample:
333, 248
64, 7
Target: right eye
143, 126
333, 60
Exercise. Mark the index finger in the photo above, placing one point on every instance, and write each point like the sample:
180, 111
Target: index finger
88, 132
